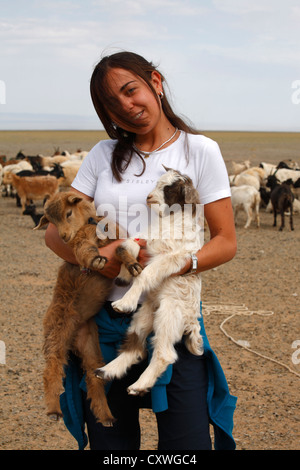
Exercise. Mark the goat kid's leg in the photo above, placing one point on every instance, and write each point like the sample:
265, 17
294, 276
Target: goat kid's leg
127, 253
150, 278
133, 350
59, 329
87, 345
52, 379
193, 339
168, 329
291, 217
87, 255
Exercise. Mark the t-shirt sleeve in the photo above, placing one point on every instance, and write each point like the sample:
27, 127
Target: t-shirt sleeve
213, 182
86, 179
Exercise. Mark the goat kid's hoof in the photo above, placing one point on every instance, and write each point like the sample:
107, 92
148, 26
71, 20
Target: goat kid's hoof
54, 416
123, 307
108, 423
99, 262
135, 269
135, 392
99, 373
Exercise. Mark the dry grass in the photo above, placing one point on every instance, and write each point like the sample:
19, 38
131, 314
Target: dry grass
256, 146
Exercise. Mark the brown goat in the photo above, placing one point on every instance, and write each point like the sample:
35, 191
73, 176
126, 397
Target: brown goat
34, 187
78, 295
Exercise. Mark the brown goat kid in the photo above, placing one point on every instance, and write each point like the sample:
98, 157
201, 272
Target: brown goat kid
78, 296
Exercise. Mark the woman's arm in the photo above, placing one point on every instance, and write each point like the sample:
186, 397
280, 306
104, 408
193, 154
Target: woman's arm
222, 244
57, 245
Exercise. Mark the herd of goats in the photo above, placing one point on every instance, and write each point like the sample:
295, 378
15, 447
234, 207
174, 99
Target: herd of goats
271, 187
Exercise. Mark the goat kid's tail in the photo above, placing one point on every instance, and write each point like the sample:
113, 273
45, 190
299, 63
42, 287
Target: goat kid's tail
193, 340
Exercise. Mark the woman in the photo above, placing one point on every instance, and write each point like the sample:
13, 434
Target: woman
129, 98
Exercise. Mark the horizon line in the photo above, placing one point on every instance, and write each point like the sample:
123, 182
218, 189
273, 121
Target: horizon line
103, 130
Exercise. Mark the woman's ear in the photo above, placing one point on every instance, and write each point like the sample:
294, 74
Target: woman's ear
156, 81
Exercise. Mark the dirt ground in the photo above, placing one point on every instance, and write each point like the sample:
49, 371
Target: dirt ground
253, 300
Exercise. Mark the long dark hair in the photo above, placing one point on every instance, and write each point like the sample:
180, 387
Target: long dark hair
139, 66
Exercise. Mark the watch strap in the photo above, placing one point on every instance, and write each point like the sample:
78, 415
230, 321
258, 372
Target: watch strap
194, 265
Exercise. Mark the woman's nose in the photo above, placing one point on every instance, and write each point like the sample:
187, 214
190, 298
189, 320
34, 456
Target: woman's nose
126, 104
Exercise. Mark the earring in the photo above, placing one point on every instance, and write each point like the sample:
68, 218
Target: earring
161, 95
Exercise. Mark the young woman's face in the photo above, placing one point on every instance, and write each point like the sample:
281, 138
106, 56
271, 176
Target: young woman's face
133, 107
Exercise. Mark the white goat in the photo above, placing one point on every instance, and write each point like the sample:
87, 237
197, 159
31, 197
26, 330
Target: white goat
256, 171
244, 180
239, 167
172, 305
70, 169
246, 198
268, 167
284, 174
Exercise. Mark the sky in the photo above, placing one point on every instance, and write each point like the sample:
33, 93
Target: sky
229, 64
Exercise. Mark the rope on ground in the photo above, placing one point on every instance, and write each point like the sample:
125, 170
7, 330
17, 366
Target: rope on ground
239, 310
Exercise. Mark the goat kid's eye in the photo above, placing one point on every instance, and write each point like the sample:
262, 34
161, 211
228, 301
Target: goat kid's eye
68, 214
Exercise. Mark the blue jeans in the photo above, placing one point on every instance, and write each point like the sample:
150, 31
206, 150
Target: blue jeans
183, 426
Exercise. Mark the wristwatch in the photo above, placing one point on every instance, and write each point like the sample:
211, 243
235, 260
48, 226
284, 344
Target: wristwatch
194, 265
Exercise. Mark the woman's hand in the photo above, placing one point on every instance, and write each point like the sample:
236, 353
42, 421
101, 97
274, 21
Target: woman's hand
144, 256
112, 266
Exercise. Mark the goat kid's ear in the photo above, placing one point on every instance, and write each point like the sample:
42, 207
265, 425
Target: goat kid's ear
74, 199
191, 195
166, 168
43, 221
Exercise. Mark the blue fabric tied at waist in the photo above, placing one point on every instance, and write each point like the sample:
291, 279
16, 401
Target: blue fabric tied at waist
221, 404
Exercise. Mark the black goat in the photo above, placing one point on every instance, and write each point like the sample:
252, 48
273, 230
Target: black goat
265, 195
282, 199
286, 165
31, 210
55, 171
35, 161
296, 184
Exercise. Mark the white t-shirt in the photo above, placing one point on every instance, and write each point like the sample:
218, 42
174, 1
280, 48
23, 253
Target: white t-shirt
205, 166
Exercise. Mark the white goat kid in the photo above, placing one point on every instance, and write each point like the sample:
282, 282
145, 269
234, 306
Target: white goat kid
171, 308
